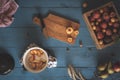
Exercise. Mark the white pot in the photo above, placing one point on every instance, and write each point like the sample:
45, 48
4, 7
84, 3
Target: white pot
25, 62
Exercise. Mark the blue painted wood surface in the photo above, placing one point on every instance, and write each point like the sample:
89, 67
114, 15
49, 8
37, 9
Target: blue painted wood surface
23, 31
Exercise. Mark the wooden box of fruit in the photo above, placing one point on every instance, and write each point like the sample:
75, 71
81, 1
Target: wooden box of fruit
61, 29
103, 24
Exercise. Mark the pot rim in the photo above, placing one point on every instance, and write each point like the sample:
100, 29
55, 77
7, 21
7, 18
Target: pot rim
24, 60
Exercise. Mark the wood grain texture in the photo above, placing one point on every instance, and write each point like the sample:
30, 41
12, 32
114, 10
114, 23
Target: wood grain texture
23, 31
47, 3
55, 27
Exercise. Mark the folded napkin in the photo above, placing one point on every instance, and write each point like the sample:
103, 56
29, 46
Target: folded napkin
7, 10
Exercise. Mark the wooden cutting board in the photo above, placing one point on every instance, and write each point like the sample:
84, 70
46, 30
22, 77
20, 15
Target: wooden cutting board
56, 26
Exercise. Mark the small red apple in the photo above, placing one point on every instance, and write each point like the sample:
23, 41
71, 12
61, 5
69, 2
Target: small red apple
96, 14
106, 16
116, 20
99, 19
105, 9
116, 25
115, 30
100, 35
91, 19
104, 25
116, 67
108, 32
98, 29
112, 14
110, 23
92, 23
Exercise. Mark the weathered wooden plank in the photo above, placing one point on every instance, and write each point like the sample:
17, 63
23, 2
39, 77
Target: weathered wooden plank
47, 3
59, 3
86, 59
115, 76
47, 74
79, 57
52, 74
35, 78
23, 16
22, 36
25, 36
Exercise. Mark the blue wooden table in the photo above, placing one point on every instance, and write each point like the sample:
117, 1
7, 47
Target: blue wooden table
15, 39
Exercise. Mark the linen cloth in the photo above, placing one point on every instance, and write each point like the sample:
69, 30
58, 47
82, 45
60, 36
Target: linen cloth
7, 10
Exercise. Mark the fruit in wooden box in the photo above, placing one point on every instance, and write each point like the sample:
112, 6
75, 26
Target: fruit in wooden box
103, 24
100, 35
106, 16
96, 15
108, 32
116, 25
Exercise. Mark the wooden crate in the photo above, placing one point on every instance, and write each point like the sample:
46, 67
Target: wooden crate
94, 32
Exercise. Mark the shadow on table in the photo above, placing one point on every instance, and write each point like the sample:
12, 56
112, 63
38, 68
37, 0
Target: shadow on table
108, 54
